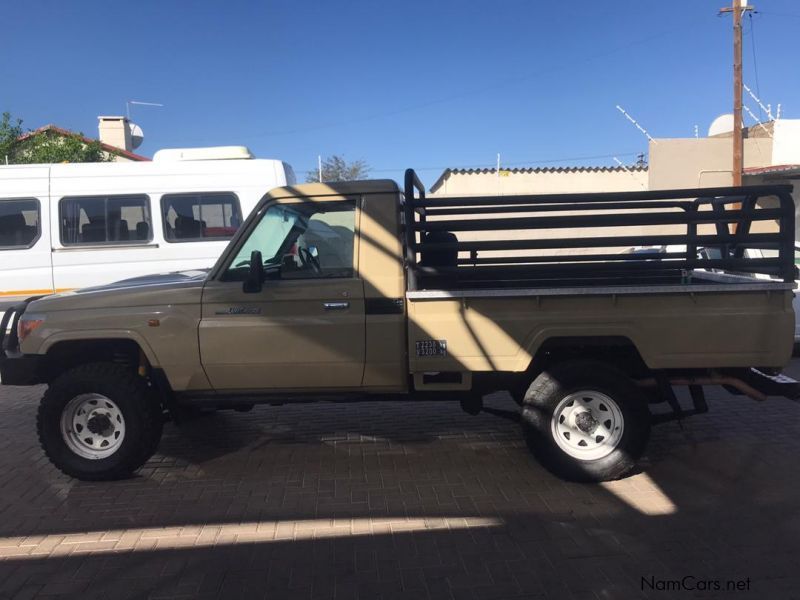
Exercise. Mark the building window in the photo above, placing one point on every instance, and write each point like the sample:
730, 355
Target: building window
199, 217
19, 223
105, 220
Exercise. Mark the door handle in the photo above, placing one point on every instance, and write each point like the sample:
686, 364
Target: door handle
336, 305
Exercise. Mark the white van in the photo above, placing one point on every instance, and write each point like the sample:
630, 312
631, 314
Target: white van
67, 226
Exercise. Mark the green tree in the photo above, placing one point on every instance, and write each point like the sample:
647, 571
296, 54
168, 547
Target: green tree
45, 147
10, 130
336, 168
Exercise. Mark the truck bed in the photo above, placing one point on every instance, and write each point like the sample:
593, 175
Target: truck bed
642, 239
689, 278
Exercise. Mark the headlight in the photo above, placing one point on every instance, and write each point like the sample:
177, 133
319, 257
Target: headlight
27, 326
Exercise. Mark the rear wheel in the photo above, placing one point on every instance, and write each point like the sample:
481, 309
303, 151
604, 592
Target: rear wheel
585, 421
99, 421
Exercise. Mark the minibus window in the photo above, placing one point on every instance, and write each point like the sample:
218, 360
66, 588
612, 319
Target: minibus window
105, 220
200, 217
19, 223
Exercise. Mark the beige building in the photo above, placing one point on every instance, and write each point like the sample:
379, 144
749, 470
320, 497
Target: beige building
771, 155
547, 180
769, 149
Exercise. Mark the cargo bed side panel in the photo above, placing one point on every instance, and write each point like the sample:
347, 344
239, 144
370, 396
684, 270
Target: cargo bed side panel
671, 331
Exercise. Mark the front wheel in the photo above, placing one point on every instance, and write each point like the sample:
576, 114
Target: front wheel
99, 422
585, 421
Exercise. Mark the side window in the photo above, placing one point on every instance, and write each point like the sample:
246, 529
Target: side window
301, 241
19, 223
105, 220
199, 217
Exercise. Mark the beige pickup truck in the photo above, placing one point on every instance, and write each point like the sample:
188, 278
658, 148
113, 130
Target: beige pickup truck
361, 290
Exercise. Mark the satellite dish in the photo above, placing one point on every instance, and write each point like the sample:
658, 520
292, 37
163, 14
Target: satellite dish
137, 136
721, 125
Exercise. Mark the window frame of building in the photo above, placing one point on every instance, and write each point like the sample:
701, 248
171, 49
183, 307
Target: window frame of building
106, 197
38, 235
232, 196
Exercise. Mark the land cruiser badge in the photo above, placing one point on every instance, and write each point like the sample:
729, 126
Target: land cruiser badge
239, 310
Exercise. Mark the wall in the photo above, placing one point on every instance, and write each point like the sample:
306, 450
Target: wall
545, 181
787, 142
705, 162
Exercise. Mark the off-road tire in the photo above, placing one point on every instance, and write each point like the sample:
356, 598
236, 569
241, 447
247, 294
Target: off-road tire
138, 403
552, 386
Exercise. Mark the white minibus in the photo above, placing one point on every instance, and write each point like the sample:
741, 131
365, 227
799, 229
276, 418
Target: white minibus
67, 226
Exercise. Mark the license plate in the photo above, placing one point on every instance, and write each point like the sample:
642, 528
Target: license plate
431, 348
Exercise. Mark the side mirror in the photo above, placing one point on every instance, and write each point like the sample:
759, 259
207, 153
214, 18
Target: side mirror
255, 274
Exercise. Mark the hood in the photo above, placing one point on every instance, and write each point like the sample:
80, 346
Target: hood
181, 287
157, 279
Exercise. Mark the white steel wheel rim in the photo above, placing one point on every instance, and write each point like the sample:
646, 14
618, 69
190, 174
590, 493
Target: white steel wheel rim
92, 426
587, 425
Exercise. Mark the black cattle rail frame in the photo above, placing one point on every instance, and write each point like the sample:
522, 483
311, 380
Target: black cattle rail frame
732, 210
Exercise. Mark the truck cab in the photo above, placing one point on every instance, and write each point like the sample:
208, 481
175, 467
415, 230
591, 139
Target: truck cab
327, 290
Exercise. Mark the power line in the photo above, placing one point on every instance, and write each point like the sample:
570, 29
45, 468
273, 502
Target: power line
779, 14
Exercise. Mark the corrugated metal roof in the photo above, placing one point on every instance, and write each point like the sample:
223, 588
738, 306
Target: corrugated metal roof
528, 170
545, 170
773, 170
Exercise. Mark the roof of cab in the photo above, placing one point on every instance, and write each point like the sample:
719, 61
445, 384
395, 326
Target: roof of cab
337, 188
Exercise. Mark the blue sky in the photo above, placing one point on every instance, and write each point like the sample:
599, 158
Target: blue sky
428, 84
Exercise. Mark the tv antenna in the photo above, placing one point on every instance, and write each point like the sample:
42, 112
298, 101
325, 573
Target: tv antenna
139, 103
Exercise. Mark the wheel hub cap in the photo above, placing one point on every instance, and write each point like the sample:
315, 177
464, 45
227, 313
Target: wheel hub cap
587, 425
92, 426
586, 422
100, 424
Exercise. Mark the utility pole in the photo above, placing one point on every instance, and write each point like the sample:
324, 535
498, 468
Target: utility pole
737, 8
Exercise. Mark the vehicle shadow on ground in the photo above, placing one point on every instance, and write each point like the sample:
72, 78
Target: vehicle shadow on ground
216, 434
407, 501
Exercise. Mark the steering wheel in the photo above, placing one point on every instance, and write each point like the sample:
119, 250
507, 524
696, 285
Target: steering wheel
308, 259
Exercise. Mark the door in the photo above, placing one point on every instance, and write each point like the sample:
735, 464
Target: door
305, 327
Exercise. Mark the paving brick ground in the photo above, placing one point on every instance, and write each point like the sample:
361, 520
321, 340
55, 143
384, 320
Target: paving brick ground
414, 500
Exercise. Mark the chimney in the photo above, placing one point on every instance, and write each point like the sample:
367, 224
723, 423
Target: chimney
115, 131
